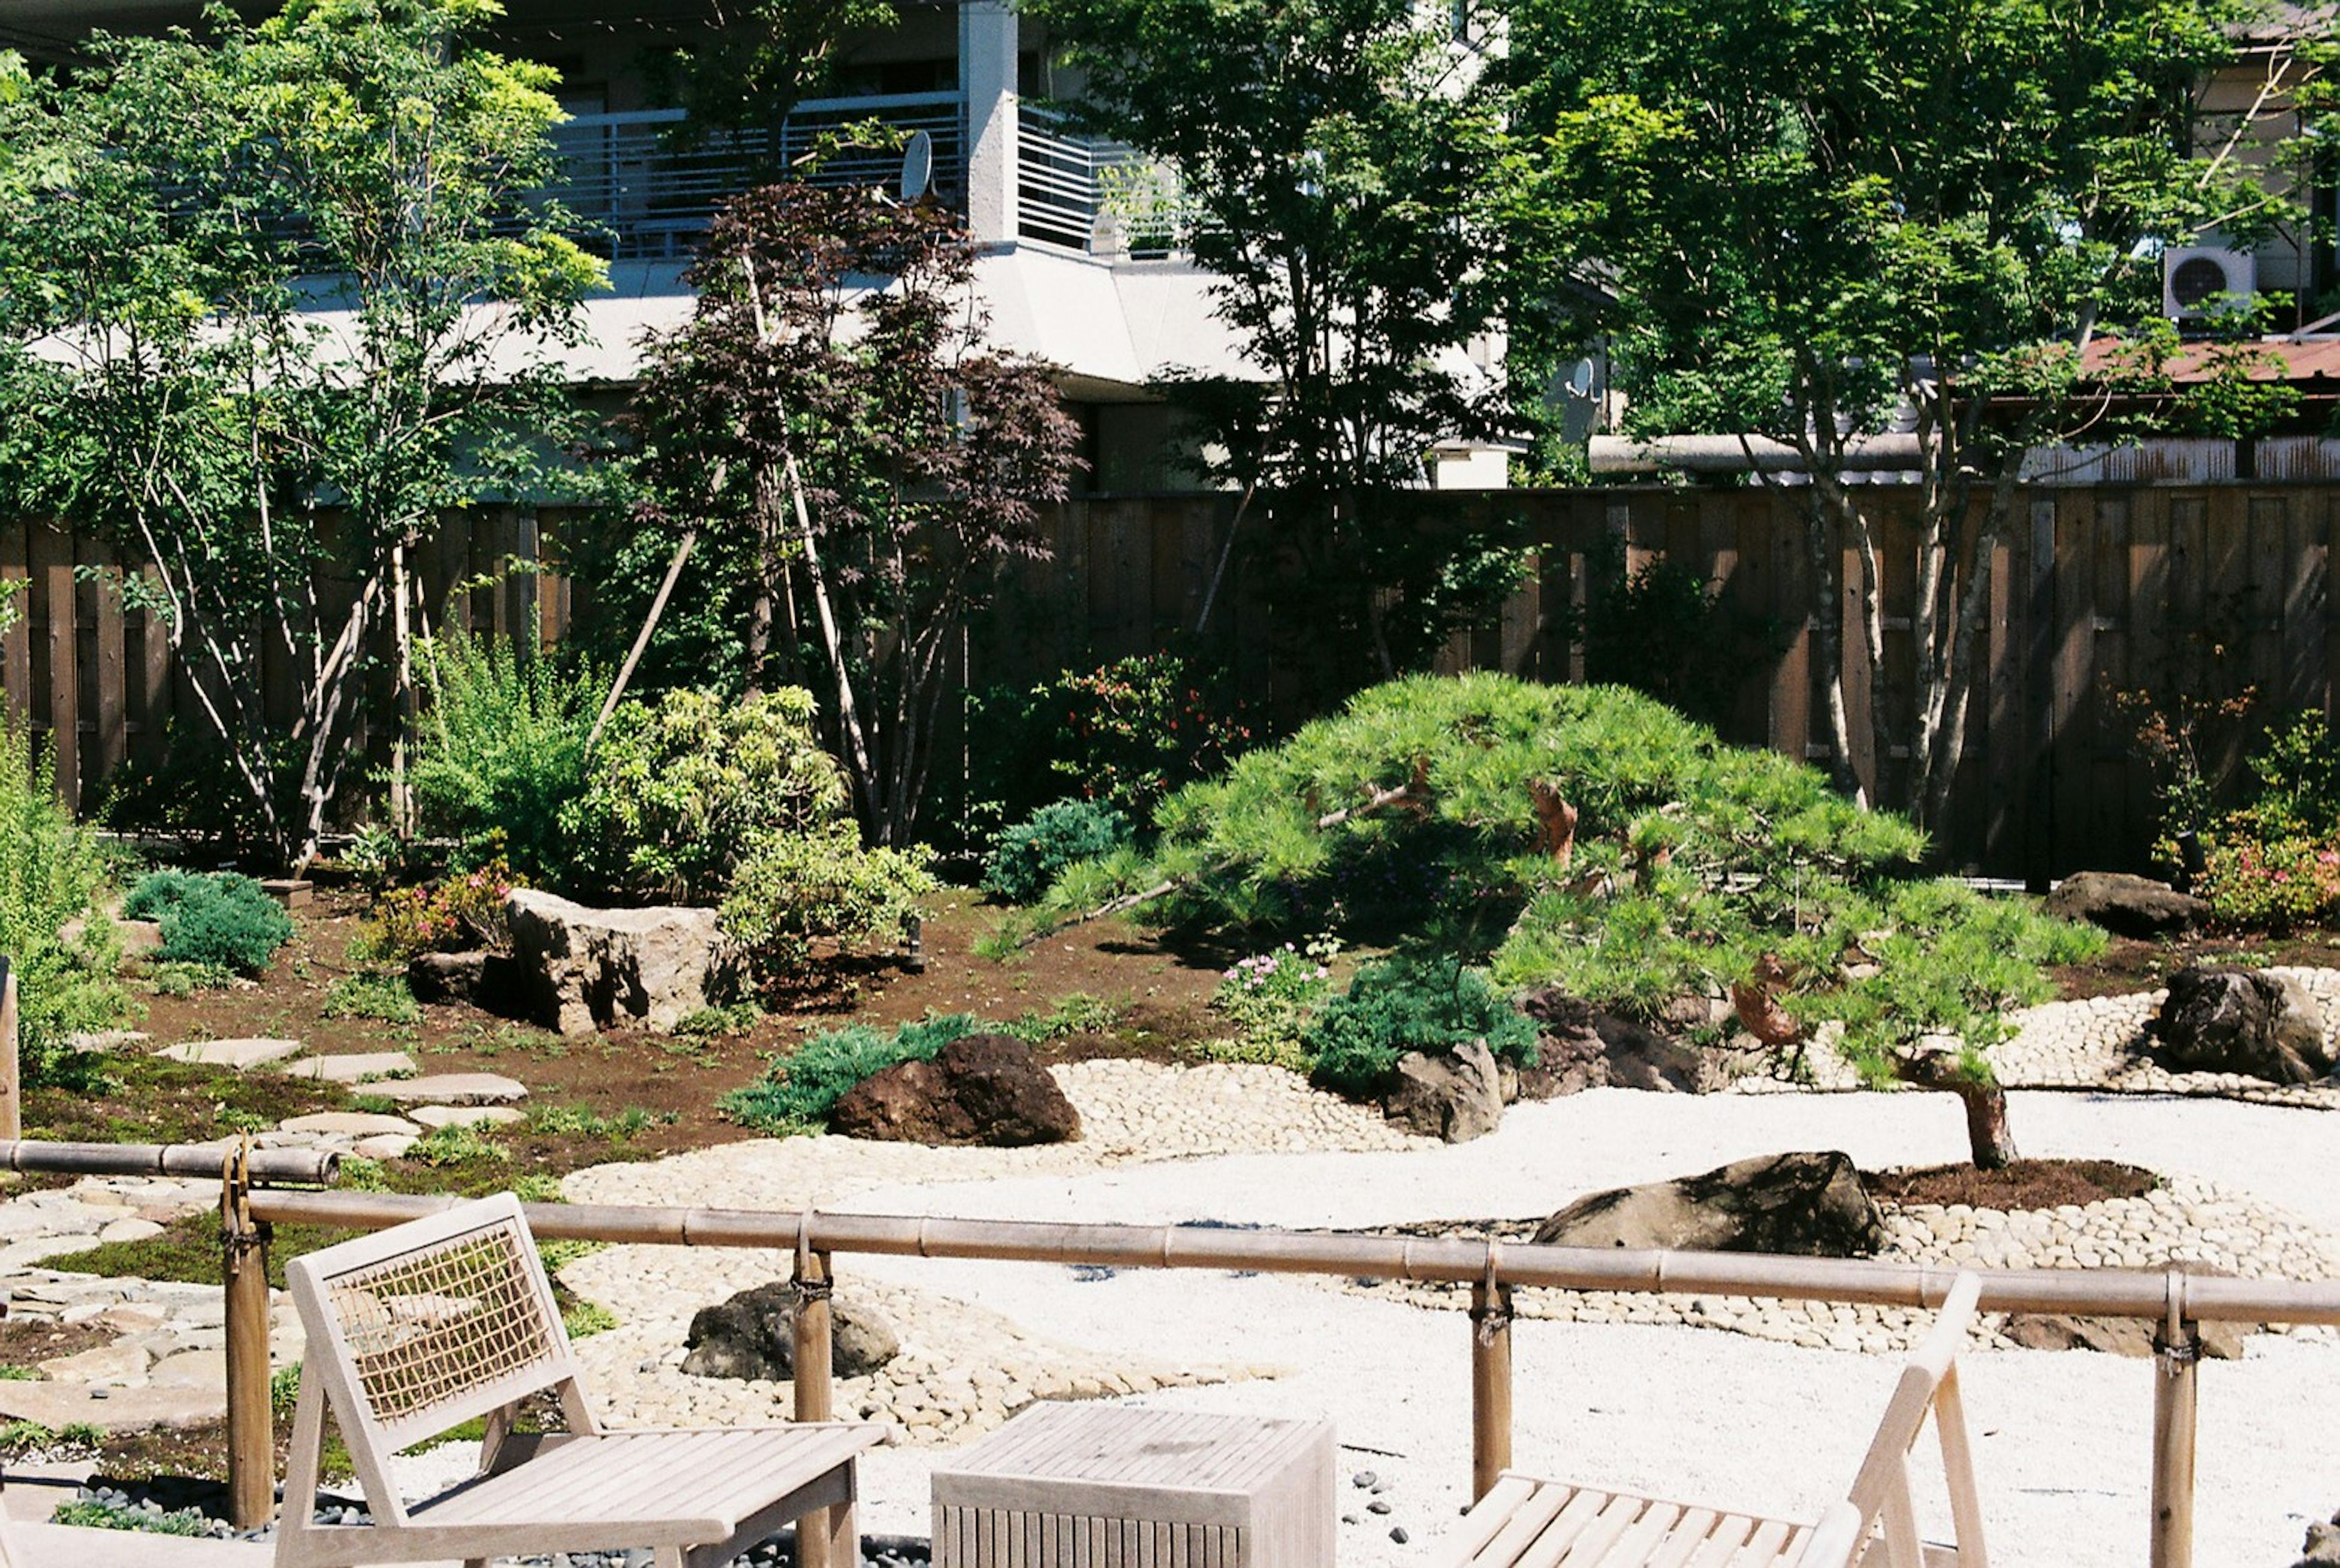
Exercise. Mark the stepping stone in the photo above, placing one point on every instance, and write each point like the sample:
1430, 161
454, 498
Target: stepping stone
349, 1123
131, 1229
241, 1055
106, 1040
190, 1369
115, 1363
57, 1406
437, 1116
455, 1089
386, 1147
356, 1068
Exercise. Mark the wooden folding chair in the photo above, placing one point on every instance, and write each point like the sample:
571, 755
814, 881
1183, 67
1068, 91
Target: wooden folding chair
434, 1323
1527, 1522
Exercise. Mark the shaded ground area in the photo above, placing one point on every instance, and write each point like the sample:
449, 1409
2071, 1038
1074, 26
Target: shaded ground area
2024, 1184
2130, 966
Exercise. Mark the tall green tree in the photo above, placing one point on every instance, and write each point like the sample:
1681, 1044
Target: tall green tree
1337, 173
1802, 223
281, 301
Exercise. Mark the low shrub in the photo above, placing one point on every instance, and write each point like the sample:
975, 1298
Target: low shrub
1399, 1006
1032, 854
2275, 863
799, 1091
1271, 997
56, 936
457, 913
218, 918
797, 889
382, 997
500, 754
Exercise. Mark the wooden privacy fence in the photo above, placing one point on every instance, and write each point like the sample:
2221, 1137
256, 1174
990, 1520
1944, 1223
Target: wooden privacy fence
2201, 588
2176, 1301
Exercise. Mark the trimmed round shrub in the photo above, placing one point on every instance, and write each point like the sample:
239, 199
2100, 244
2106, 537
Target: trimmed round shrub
1396, 1007
1032, 854
220, 918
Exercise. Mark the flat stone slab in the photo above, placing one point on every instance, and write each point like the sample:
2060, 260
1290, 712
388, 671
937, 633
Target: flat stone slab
437, 1116
115, 1363
88, 1548
455, 1089
351, 1124
131, 1229
355, 1068
241, 1055
57, 1406
107, 1040
386, 1147
190, 1369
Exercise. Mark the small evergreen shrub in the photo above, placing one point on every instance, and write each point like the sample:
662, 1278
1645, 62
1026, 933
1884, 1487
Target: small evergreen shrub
500, 752
218, 918
1035, 852
52, 930
799, 1091
797, 889
1399, 1007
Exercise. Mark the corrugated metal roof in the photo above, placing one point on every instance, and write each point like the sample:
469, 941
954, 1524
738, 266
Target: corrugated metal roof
2269, 359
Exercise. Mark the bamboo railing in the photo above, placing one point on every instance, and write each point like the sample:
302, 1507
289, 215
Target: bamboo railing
2173, 1299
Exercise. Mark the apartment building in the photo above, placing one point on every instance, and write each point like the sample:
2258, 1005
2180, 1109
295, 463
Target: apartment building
1063, 271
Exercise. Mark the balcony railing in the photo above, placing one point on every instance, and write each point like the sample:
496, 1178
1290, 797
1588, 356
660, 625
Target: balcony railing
651, 190
1065, 184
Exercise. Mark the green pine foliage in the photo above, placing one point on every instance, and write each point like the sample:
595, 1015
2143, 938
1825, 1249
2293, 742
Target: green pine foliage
1410, 817
218, 918
54, 934
797, 1093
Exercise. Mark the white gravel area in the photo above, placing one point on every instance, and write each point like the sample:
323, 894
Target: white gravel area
2062, 1436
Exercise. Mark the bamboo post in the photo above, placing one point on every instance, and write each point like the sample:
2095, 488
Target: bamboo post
251, 1425
2177, 1355
12, 1084
1491, 1380
819, 1531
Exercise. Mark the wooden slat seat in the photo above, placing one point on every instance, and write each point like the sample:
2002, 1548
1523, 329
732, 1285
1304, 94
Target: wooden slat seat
431, 1324
1526, 1521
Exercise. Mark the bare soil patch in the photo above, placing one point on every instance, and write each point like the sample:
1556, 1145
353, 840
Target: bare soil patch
2130, 966
2022, 1185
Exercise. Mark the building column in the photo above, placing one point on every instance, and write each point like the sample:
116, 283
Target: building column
986, 75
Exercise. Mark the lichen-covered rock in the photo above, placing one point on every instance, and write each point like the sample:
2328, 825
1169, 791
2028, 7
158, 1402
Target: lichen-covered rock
753, 1335
2125, 905
1455, 1095
2242, 1021
1805, 1205
987, 1089
584, 968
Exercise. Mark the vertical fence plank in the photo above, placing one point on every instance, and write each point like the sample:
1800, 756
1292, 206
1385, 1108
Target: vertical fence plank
52, 573
111, 740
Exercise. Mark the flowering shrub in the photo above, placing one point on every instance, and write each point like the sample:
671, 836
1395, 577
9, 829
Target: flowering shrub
1139, 728
1271, 996
2271, 885
459, 913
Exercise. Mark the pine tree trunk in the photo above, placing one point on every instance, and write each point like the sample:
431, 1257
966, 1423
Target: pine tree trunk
1988, 1139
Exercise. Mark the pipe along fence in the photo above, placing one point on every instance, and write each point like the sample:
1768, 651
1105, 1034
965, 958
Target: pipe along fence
254, 1198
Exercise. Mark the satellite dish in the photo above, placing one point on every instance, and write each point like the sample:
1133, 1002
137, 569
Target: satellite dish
917, 165
1579, 379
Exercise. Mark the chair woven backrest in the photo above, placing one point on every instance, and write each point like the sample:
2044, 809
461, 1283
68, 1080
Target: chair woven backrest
434, 1322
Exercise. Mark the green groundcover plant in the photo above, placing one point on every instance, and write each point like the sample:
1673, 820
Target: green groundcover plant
218, 918
799, 1091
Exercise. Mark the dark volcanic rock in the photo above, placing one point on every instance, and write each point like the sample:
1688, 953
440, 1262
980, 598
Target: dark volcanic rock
982, 1089
753, 1335
1583, 1047
2242, 1021
2125, 906
1806, 1205
1455, 1095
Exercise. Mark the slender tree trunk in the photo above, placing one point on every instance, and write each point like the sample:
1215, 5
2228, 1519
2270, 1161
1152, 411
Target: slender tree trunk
1828, 635
1989, 1140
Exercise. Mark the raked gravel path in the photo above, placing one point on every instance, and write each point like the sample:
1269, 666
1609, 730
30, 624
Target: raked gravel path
1770, 1424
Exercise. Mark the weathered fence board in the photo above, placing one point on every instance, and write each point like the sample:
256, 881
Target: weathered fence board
2099, 589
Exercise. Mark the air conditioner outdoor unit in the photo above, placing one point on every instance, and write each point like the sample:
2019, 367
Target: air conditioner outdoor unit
2199, 282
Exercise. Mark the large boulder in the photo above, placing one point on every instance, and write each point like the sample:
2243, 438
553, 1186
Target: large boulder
2113, 1335
754, 1336
2242, 1021
985, 1090
1807, 1205
584, 968
490, 980
2124, 905
1455, 1095
1582, 1047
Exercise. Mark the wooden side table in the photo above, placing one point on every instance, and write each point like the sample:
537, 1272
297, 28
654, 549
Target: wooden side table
1114, 1487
